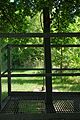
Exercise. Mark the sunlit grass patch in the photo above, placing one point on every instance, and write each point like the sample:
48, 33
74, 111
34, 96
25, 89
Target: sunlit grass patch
67, 84
60, 84
26, 84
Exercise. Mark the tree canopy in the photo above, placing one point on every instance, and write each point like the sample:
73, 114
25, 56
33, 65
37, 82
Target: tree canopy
26, 16
13, 15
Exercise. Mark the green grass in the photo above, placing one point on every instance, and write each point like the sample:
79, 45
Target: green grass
26, 84
66, 84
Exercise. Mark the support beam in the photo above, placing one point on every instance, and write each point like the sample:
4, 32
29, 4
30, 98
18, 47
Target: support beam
48, 65
9, 70
0, 90
0, 77
39, 35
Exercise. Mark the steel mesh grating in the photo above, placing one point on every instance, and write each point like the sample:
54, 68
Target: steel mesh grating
24, 106
66, 106
20, 104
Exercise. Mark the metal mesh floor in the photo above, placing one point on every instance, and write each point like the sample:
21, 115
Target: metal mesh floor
64, 106
24, 106
19, 105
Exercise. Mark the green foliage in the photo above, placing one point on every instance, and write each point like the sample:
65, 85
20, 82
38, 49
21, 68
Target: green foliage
67, 57
24, 16
13, 15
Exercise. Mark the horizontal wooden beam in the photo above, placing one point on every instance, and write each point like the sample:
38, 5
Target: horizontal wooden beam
39, 45
66, 45
40, 69
16, 69
41, 75
25, 45
40, 35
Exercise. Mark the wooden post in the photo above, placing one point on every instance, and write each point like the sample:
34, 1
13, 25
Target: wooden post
0, 74
9, 70
48, 65
0, 91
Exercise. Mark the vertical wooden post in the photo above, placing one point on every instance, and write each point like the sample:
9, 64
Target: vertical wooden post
9, 70
48, 65
0, 90
0, 75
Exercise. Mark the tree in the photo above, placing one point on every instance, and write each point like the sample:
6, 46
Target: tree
23, 16
13, 14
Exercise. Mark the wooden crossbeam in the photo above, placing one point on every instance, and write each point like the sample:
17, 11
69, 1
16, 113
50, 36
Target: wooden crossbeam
40, 35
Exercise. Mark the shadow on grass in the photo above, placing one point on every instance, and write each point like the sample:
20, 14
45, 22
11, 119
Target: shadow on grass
66, 80
68, 88
66, 84
75, 88
20, 81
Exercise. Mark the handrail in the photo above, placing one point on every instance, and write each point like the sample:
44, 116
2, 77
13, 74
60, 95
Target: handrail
25, 45
40, 35
12, 69
40, 45
65, 45
41, 75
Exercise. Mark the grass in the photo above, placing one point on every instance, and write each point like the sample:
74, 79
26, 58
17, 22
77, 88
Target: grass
66, 84
26, 84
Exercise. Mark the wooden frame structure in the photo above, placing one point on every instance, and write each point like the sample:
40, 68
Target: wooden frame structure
56, 96
48, 96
